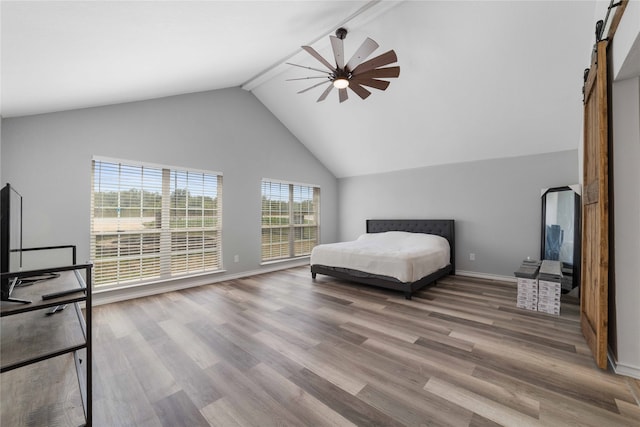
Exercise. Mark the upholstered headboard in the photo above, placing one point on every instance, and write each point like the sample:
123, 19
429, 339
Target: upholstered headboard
440, 227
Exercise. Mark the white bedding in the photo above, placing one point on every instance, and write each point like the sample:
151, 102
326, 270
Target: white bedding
406, 256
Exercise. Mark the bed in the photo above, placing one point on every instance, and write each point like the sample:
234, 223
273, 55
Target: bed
346, 260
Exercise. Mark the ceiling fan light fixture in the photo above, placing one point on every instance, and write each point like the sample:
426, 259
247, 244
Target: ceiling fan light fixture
341, 83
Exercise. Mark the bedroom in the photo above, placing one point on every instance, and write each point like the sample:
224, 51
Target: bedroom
491, 187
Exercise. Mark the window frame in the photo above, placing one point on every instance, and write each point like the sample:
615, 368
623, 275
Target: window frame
292, 227
162, 232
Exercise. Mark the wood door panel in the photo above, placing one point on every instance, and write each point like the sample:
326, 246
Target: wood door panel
595, 219
590, 271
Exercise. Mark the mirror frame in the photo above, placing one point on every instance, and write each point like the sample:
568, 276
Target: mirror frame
577, 235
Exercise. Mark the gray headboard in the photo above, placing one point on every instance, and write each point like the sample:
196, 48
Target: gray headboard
440, 227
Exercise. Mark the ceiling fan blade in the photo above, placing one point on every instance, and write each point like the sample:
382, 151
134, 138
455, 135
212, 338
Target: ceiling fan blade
319, 57
380, 73
359, 90
384, 59
366, 48
325, 93
308, 68
338, 51
307, 78
315, 85
378, 84
342, 93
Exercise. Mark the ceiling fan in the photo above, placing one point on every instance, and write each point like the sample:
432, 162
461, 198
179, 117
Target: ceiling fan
355, 74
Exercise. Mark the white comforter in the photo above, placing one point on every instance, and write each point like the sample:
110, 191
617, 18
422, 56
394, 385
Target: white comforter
405, 256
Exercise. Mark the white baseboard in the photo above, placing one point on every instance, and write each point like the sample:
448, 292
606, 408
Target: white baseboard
108, 296
121, 294
512, 279
621, 369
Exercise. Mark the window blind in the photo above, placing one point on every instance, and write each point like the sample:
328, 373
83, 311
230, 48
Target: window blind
290, 219
153, 222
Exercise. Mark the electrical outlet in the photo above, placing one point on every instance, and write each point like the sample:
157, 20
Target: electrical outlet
472, 257
236, 258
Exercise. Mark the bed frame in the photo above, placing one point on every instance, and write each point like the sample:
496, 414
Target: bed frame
440, 227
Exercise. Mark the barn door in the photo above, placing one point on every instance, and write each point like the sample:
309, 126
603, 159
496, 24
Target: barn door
595, 209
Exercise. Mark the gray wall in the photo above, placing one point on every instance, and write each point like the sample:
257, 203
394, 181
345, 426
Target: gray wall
626, 212
48, 159
496, 204
625, 105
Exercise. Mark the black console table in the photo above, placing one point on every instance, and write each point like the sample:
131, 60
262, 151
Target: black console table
38, 340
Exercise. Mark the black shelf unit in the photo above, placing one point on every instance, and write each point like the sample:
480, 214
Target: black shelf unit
51, 325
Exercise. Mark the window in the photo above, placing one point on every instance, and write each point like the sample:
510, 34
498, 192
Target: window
152, 223
290, 219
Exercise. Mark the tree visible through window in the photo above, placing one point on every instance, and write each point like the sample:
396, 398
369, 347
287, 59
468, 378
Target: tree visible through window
290, 219
152, 222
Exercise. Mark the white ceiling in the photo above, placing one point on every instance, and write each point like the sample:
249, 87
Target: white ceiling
59, 55
479, 79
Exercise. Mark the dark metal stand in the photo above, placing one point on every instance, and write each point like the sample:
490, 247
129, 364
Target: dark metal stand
68, 286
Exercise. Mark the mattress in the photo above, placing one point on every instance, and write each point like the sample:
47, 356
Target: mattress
405, 256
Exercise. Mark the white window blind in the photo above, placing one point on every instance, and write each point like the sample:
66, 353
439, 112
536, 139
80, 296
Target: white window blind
153, 223
290, 219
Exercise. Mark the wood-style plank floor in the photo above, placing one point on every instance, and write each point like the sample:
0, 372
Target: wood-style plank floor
280, 349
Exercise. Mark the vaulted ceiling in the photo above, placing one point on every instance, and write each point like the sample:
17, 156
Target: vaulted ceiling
479, 79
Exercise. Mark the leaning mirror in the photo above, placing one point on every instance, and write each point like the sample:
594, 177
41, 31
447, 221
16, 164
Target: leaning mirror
560, 240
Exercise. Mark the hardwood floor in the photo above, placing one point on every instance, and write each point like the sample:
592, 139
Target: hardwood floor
281, 349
